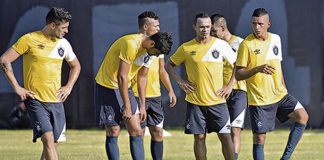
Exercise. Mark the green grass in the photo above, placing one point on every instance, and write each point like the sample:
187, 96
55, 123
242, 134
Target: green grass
89, 144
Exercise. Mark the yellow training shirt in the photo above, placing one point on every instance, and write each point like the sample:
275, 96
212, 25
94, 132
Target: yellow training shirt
204, 67
128, 49
263, 89
42, 63
153, 79
234, 42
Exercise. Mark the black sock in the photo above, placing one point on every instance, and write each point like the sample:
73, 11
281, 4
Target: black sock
157, 150
294, 136
136, 147
258, 153
112, 148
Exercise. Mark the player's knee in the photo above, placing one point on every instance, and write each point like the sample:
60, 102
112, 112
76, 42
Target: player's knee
301, 116
135, 131
304, 117
113, 131
157, 133
48, 142
200, 137
259, 138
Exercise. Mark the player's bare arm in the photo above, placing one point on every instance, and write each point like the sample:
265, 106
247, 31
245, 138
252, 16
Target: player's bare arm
243, 73
226, 90
75, 69
122, 78
141, 86
167, 83
186, 86
5, 61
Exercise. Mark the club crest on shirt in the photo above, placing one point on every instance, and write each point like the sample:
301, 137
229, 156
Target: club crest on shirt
147, 58
275, 50
257, 51
215, 54
60, 51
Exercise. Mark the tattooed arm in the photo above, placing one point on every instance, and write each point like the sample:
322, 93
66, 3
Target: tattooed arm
5, 61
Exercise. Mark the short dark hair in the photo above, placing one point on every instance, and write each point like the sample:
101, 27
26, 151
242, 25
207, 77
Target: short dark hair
260, 12
163, 42
143, 17
58, 16
215, 17
200, 15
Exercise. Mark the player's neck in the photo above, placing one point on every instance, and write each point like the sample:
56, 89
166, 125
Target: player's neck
263, 37
144, 41
227, 36
47, 33
202, 40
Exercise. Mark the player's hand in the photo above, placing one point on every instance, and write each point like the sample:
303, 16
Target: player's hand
24, 93
63, 93
266, 68
225, 91
127, 113
142, 114
187, 87
172, 99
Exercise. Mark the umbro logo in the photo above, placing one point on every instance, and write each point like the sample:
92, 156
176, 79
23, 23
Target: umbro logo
193, 53
257, 51
40, 46
238, 121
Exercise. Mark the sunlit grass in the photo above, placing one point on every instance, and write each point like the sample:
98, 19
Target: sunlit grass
89, 144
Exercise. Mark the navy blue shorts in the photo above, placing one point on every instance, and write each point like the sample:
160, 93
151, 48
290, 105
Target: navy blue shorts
237, 104
154, 110
46, 117
207, 119
263, 117
109, 106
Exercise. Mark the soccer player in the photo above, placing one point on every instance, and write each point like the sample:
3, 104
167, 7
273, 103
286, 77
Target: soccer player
43, 53
234, 91
259, 62
206, 111
148, 23
127, 56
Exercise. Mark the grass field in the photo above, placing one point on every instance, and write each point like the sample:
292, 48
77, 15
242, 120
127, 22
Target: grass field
89, 145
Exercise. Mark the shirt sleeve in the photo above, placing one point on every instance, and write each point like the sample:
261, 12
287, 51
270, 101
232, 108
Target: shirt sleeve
242, 55
146, 60
178, 57
70, 55
22, 46
161, 56
280, 49
228, 53
128, 50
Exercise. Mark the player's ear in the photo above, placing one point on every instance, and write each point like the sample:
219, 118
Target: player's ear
194, 27
145, 27
223, 28
52, 25
152, 44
